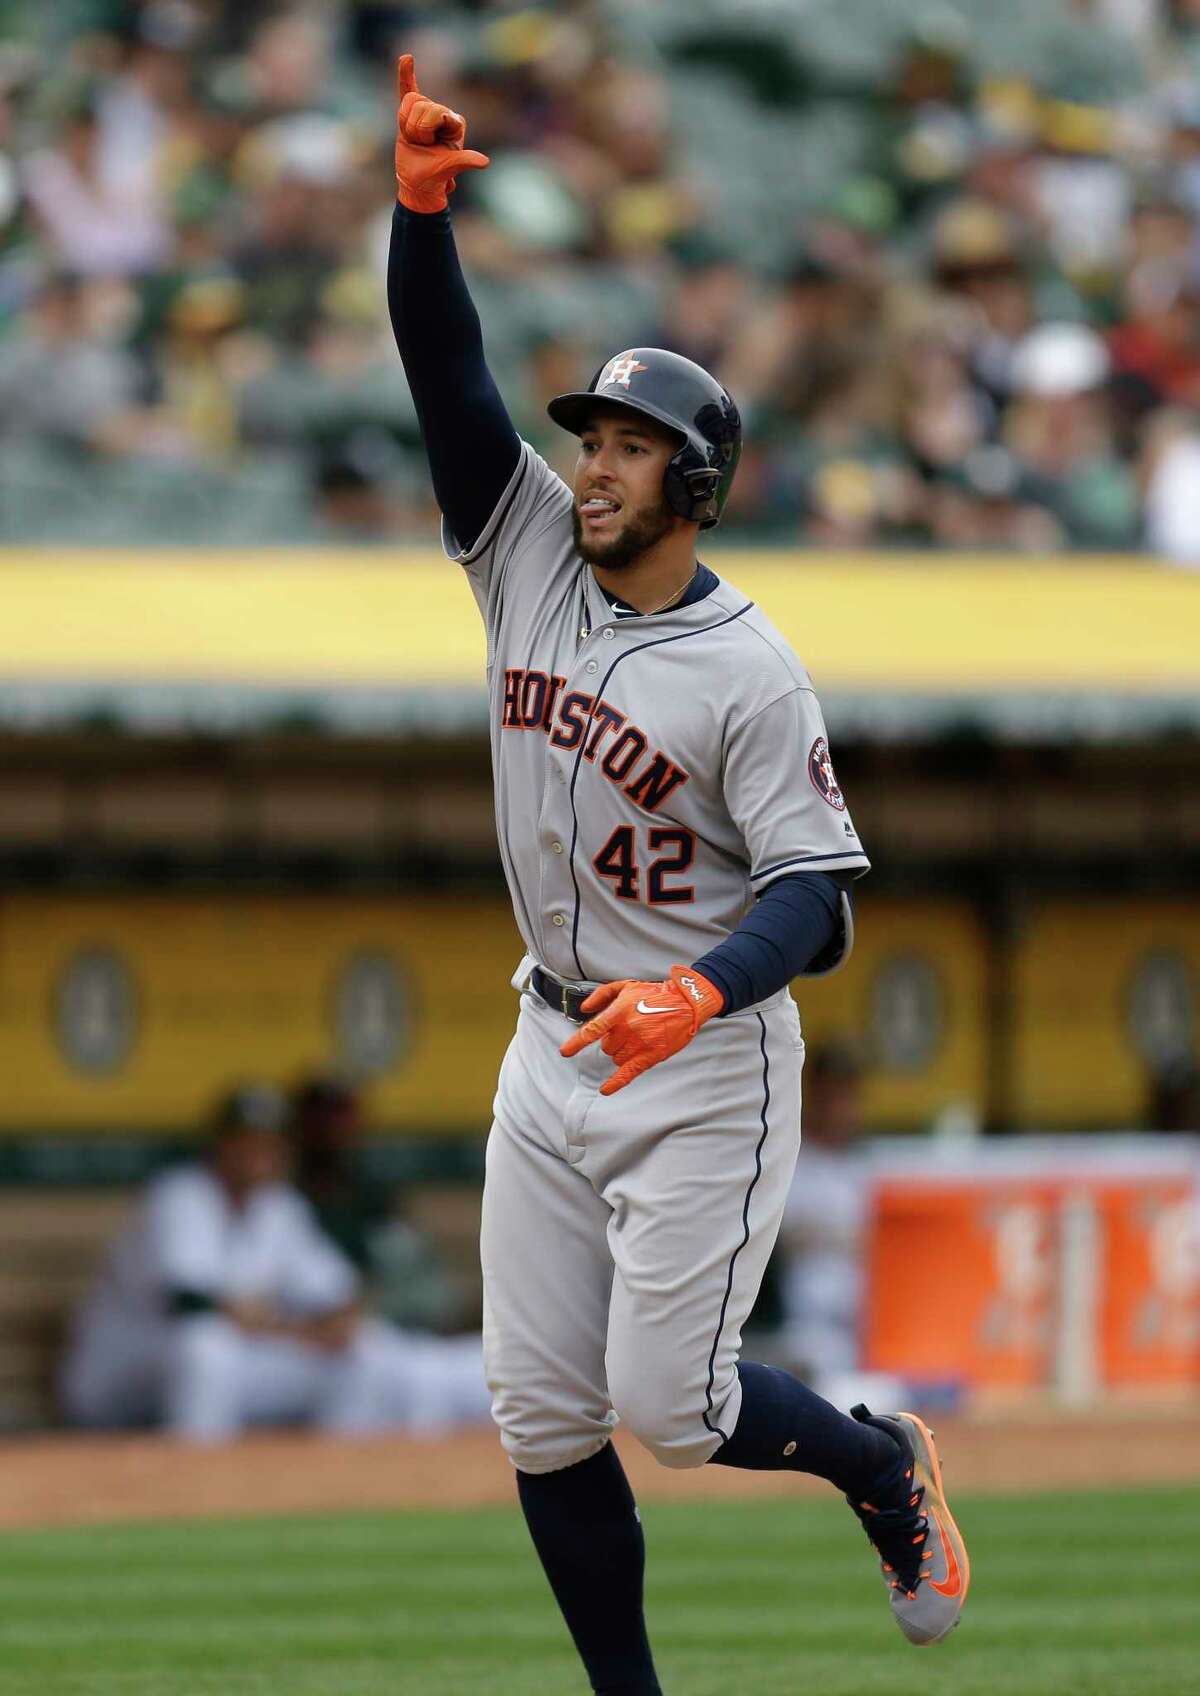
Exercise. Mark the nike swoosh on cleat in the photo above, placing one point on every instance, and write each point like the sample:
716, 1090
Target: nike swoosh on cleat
951, 1585
642, 1008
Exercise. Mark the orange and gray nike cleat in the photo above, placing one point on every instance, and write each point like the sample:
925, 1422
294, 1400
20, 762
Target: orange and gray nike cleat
921, 1552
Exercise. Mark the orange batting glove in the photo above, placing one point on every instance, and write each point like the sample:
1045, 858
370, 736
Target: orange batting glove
639, 1024
429, 146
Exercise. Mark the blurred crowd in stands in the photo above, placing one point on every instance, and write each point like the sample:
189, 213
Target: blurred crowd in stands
945, 253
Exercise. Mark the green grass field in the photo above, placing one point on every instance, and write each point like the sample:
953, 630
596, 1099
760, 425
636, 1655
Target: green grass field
1095, 1595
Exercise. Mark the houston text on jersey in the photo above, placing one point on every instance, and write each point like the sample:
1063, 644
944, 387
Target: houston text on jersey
534, 700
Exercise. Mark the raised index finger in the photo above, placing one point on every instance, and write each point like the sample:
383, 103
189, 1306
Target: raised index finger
406, 75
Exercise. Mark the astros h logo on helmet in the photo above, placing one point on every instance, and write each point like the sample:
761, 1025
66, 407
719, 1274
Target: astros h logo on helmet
619, 370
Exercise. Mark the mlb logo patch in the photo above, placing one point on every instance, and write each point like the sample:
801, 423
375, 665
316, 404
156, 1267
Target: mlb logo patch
824, 779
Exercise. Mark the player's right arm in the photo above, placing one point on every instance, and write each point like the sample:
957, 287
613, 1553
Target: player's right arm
473, 449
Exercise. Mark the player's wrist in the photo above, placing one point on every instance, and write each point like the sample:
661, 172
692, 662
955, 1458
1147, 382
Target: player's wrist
422, 201
723, 985
704, 998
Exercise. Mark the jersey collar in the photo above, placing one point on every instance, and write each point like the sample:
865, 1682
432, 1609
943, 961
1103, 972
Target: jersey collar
611, 606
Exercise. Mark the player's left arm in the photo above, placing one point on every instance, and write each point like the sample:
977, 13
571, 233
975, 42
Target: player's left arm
798, 927
784, 796
795, 927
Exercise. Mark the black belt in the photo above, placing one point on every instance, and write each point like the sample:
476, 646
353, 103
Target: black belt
560, 996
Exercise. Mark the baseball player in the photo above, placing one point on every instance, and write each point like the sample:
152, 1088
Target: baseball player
677, 849
220, 1304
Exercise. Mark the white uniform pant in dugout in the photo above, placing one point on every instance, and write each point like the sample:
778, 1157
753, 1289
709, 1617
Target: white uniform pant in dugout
206, 1380
625, 1237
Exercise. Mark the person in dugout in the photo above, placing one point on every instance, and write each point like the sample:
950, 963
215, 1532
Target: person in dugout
223, 1305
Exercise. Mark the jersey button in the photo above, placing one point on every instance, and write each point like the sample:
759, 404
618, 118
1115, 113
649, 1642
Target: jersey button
557, 847
592, 665
558, 919
608, 635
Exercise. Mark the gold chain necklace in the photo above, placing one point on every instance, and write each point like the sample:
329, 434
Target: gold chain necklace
671, 599
585, 622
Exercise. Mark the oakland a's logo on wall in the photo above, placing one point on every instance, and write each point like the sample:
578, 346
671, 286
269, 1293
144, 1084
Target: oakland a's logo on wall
820, 769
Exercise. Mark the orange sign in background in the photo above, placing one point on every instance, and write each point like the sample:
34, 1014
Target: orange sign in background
960, 1281
1149, 1309
1084, 1282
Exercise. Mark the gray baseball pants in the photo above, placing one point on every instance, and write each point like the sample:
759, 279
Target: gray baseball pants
625, 1237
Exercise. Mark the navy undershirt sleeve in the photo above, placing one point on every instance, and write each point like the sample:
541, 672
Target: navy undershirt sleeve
795, 921
469, 438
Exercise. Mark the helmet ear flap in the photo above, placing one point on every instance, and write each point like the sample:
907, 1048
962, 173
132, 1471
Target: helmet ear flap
702, 486
691, 488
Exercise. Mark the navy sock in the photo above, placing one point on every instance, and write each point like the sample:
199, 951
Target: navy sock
784, 1426
585, 1528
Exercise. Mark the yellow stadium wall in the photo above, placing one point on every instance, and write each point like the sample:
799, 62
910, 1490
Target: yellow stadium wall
921, 622
131, 1012
1099, 986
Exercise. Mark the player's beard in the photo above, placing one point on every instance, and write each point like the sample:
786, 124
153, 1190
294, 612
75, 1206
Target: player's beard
642, 530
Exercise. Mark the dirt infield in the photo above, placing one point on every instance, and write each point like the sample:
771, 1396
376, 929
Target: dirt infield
72, 1481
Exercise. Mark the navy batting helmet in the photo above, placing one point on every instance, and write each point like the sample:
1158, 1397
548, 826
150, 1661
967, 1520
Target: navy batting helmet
684, 397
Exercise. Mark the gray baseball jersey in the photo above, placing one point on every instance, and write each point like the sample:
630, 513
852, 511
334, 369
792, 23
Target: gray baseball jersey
653, 775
